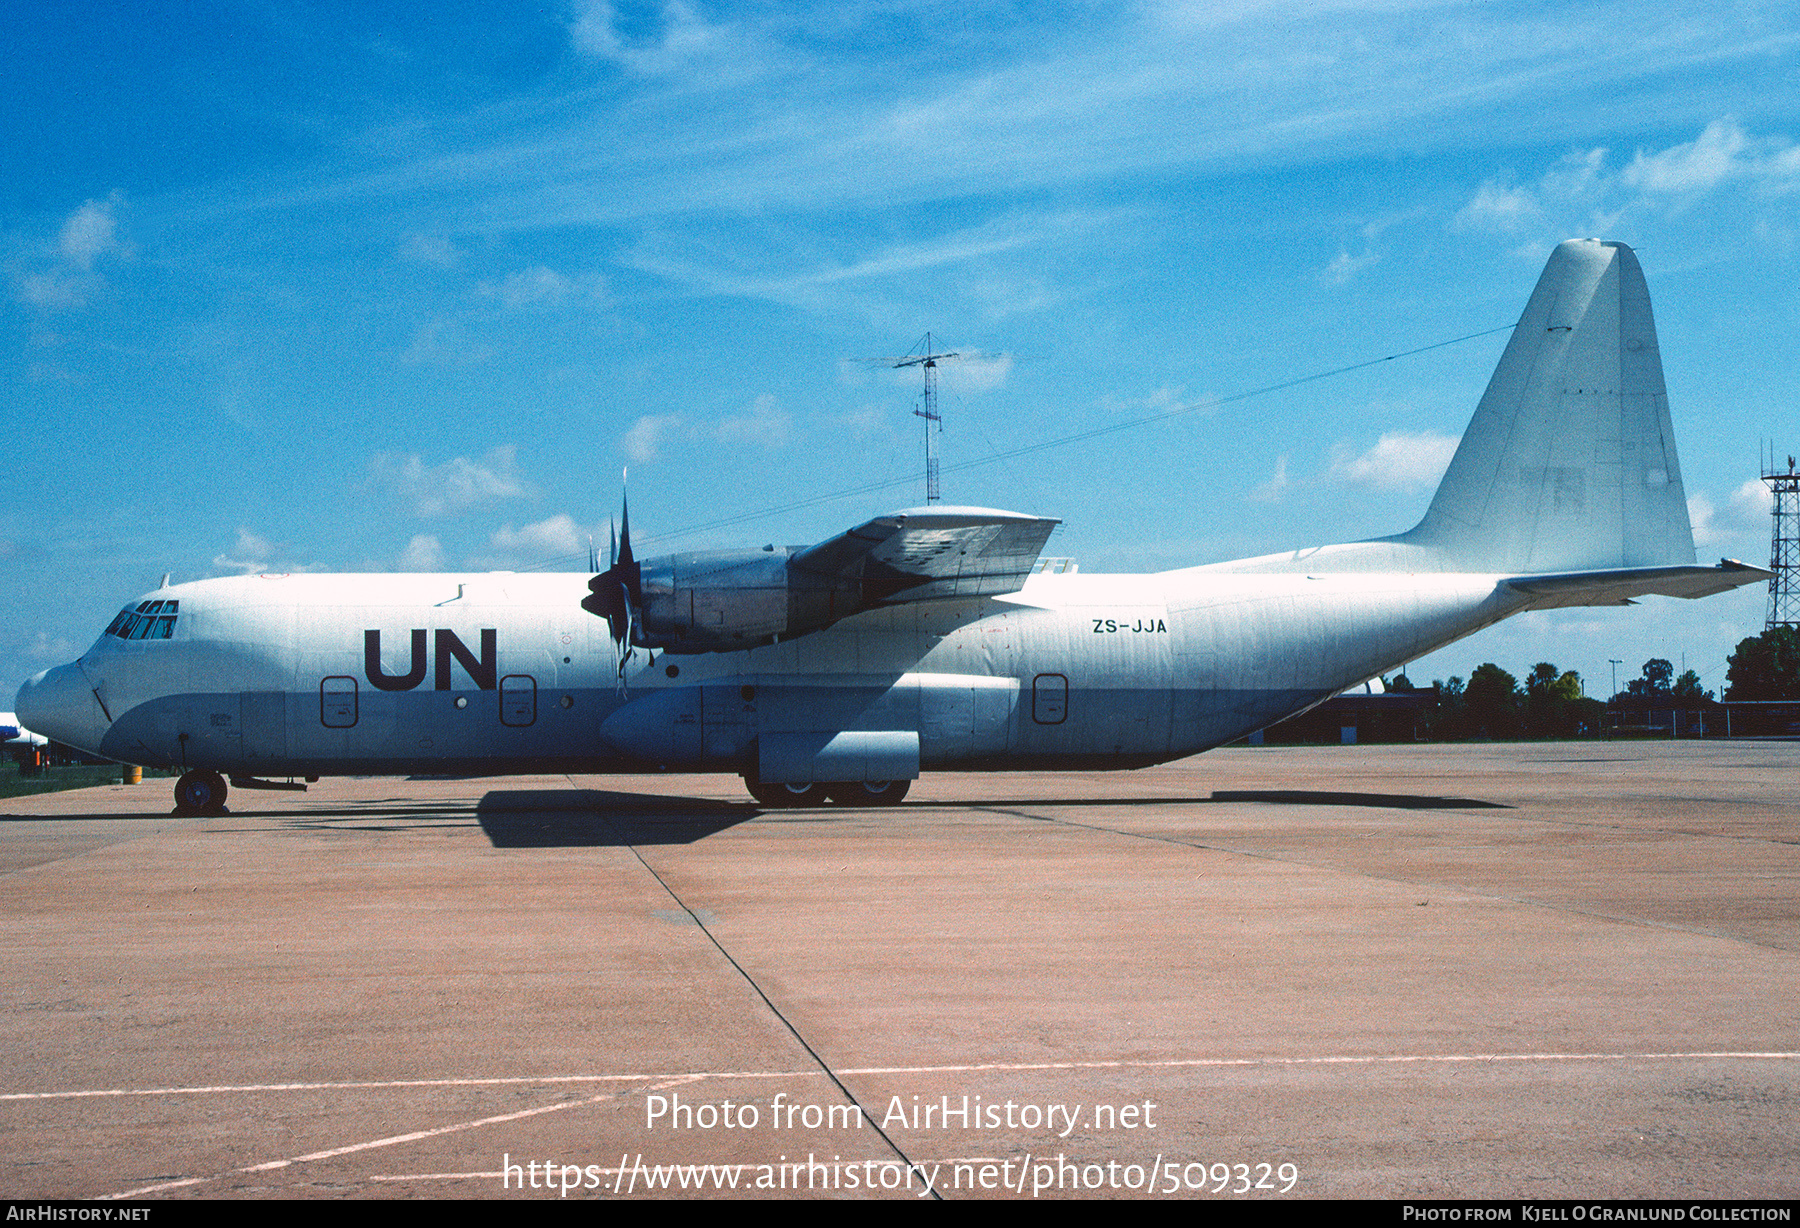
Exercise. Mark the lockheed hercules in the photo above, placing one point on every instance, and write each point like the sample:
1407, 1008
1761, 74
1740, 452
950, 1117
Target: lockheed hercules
926, 639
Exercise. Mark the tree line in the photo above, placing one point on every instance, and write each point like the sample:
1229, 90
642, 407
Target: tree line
1553, 703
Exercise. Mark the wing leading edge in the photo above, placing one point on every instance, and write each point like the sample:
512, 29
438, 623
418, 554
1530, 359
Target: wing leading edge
928, 553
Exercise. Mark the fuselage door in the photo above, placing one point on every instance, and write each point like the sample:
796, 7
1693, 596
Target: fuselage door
518, 700
337, 701
1050, 699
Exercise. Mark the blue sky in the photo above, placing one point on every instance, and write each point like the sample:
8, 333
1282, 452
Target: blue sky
377, 287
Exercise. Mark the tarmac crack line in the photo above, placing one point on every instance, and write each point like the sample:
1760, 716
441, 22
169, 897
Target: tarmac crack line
1432, 884
777, 1012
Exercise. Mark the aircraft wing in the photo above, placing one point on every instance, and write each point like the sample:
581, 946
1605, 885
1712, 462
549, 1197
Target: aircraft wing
1573, 588
932, 552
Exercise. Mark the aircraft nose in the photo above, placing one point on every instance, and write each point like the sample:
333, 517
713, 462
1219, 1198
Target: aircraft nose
59, 704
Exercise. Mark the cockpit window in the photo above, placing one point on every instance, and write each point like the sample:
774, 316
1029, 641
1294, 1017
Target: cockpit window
148, 620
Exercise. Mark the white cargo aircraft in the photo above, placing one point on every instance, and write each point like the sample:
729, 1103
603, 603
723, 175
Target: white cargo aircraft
924, 639
15, 736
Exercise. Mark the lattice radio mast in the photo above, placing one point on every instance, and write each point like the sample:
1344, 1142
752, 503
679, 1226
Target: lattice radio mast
1784, 545
927, 360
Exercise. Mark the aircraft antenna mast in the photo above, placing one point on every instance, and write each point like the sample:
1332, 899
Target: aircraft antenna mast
927, 361
1784, 543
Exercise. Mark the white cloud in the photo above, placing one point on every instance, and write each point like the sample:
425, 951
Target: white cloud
1700, 519
1745, 515
453, 486
644, 440
969, 372
540, 286
1700, 165
1581, 194
444, 343
1275, 488
47, 647
55, 290
975, 372
251, 554
764, 425
1752, 503
684, 37
867, 421
554, 537
422, 553
1398, 461
66, 276
91, 232
429, 249
803, 279
1345, 266
1577, 176
1507, 210
1165, 399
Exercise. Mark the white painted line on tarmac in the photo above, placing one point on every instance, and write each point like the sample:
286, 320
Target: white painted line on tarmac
393, 1140
1360, 1059
381, 1084
692, 1076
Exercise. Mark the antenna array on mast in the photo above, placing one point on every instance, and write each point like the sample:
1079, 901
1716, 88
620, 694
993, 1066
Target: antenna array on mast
1784, 544
927, 360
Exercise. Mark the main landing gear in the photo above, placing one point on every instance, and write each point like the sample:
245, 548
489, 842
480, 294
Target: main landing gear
849, 793
200, 791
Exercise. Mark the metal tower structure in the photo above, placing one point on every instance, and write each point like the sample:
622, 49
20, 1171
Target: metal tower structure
1784, 546
927, 360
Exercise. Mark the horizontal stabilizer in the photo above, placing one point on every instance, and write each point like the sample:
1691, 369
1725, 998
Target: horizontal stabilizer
932, 552
1619, 587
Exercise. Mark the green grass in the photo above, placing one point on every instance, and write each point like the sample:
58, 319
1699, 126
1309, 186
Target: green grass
55, 779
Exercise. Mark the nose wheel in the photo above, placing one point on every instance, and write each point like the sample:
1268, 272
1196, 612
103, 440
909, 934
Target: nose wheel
200, 791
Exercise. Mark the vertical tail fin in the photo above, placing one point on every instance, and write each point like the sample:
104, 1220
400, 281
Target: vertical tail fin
1569, 463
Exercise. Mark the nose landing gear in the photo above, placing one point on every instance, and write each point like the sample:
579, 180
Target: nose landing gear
200, 791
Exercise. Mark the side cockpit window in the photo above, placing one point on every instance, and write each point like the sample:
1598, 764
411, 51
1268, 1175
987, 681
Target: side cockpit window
148, 620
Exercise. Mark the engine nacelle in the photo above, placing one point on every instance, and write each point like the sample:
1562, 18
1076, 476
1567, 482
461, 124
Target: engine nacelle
725, 600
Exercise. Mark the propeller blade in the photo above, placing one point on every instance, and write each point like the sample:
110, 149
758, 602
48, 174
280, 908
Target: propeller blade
615, 594
625, 558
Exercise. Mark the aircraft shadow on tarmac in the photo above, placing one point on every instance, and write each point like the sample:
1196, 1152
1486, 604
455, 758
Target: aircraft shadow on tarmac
1278, 797
1381, 801
581, 818
564, 818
